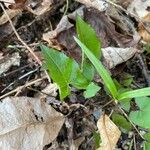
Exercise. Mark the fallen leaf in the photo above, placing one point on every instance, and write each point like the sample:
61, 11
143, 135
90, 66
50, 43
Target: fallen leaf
109, 133
11, 13
114, 56
43, 7
28, 123
8, 61
139, 8
144, 28
100, 5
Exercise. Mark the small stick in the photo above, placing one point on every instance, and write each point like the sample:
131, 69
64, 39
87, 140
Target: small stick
130, 122
144, 69
21, 87
19, 38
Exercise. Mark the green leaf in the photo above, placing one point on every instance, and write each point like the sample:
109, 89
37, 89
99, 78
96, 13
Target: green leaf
134, 93
147, 136
127, 79
80, 81
146, 146
88, 71
63, 70
87, 35
108, 82
125, 104
121, 122
97, 139
141, 117
91, 90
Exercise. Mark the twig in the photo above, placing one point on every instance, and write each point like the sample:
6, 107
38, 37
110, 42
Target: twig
21, 87
20, 78
67, 5
144, 69
19, 38
130, 121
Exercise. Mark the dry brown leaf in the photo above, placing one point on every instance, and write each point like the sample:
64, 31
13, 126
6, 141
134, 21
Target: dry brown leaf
141, 9
109, 133
11, 13
100, 5
28, 123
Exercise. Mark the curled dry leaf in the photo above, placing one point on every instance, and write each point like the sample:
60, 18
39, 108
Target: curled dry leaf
109, 133
28, 123
114, 56
8, 61
141, 9
100, 5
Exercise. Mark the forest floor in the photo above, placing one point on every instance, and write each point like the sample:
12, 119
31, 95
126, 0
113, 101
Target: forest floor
27, 24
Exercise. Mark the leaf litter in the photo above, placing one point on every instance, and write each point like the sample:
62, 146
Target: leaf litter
35, 110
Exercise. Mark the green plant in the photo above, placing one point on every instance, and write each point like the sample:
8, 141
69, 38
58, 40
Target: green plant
108, 81
66, 72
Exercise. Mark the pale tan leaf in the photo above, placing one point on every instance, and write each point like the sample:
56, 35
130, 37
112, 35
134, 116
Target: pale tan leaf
27, 123
114, 56
109, 133
43, 7
8, 2
11, 13
100, 5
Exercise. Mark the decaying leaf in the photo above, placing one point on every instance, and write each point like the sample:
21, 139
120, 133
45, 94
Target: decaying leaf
139, 7
109, 133
100, 5
8, 61
43, 7
62, 37
114, 56
144, 28
28, 123
11, 13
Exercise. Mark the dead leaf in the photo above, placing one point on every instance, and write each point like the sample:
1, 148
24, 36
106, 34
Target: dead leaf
28, 123
109, 133
43, 7
100, 5
8, 2
8, 61
11, 13
139, 8
114, 56
144, 28
63, 37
